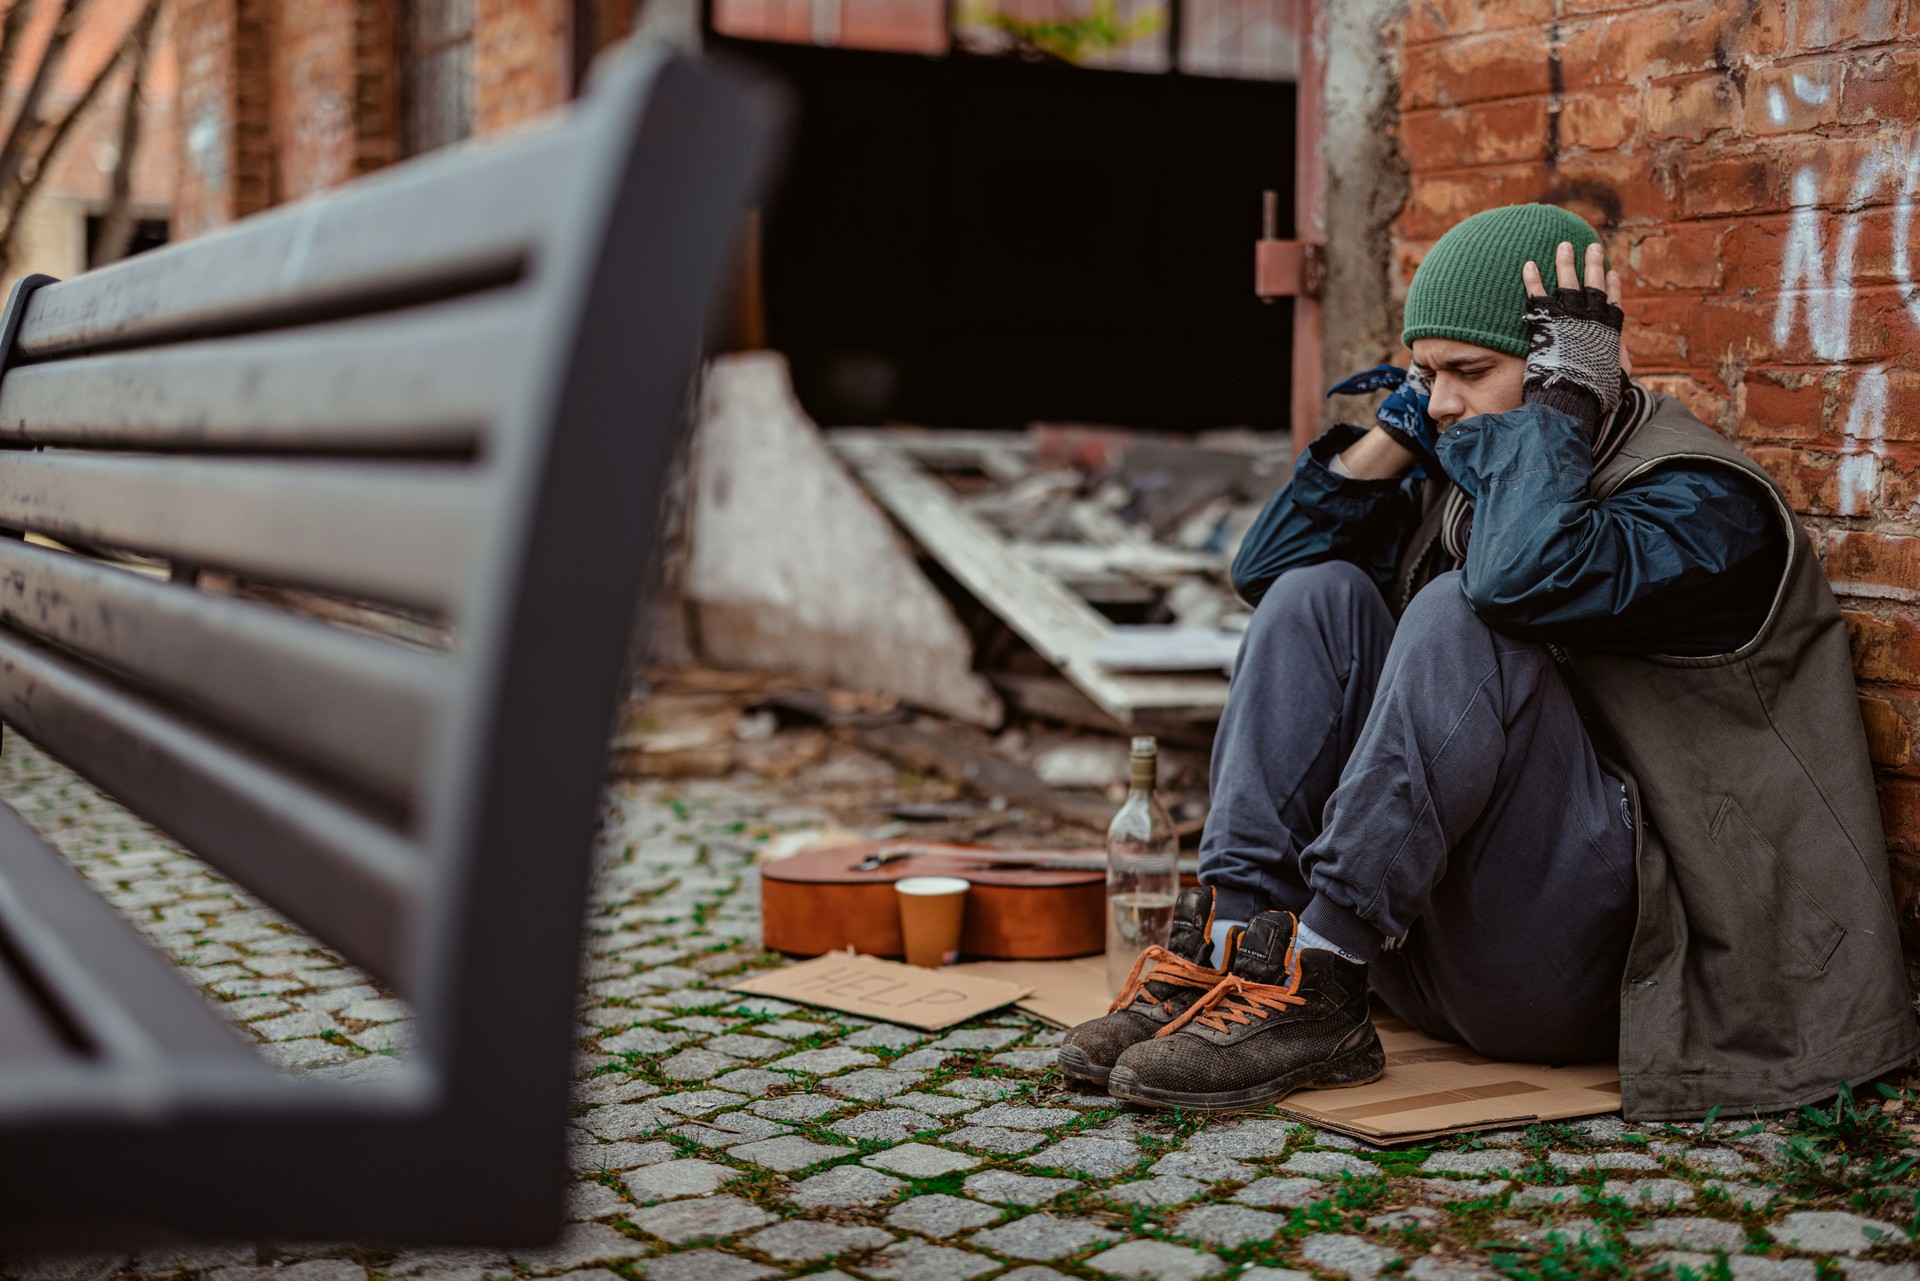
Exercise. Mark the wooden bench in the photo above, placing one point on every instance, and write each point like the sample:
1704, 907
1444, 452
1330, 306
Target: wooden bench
450, 390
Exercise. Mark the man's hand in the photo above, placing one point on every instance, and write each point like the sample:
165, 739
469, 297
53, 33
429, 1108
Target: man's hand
1403, 434
1574, 360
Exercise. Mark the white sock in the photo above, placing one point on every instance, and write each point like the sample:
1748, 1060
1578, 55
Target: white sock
1218, 937
1305, 936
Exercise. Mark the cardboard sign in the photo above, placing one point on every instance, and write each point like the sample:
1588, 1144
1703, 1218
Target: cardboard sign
1431, 1087
877, 989
1063, 993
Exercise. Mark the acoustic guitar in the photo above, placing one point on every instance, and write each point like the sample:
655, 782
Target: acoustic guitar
1025, 905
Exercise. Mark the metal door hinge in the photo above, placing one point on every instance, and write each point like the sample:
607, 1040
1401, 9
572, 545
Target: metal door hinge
1285, 268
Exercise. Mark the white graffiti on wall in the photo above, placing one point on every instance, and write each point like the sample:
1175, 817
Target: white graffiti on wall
1817, 290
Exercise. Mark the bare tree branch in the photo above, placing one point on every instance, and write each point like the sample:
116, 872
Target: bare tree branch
14, 197
27, 125
116, 229
12, 23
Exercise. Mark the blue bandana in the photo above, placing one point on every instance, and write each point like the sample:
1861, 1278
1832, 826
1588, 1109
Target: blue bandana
1404, 412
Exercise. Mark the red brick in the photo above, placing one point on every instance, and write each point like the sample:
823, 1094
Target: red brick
313, 78
1614, 188
1419, 77
1882, 86
1657, 329
1886, 650
1782, 404
1900, 814
1889, 736
1599, 119
1668, 40
1479, 134
1692, 107
1864, 563
1755, 248
1701, 400
1823, 24
1882, 325
1502, 64
1808, 480
1437, 19
1679, 256
1795, 98
1894, 401
1828, 171
522, 60
1899, 480
1727, 327
1876, 327
1441, 200
1710, 182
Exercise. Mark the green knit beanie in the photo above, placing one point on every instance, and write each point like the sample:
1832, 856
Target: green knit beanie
1468, 286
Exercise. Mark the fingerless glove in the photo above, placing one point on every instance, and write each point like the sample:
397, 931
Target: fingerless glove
1573, 354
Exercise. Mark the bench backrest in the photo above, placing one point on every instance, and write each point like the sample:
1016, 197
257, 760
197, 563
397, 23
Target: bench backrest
450, 390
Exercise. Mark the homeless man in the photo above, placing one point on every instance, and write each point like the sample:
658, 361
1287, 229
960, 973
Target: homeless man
1544, 727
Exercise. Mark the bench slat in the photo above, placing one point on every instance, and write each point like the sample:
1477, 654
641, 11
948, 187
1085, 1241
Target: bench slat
388, 239
340, 875
28, 1034
399, 533
358, 706
122, 1001
424, 379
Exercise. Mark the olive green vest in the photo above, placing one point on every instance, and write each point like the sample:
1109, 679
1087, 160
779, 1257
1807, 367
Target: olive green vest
1765, 967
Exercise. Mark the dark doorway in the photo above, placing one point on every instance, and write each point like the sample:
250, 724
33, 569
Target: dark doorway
148, 233
978, 242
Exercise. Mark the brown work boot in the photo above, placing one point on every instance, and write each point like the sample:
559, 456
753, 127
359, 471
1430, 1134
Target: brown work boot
1282, 1020
1149, 1001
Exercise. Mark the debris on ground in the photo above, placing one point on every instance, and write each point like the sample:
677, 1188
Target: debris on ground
1113, 572
1074, 573
886, 770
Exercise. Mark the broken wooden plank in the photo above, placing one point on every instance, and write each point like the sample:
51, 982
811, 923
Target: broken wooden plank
1081, 560
1037, 606
1160, 647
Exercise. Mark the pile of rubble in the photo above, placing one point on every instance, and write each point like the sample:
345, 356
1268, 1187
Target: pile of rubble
1073, 574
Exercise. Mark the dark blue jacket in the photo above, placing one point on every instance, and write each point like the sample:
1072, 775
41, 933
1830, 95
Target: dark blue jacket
1683, 560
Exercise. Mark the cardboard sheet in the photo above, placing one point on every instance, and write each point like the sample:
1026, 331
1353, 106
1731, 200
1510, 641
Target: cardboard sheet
873, 988
1064, 993
1436, 1087
1431, 1087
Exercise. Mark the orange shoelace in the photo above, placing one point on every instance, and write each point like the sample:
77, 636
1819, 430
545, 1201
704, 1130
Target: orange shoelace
1235, 1000
1167, 968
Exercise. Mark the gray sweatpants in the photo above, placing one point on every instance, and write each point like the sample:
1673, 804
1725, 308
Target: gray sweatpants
1430, 782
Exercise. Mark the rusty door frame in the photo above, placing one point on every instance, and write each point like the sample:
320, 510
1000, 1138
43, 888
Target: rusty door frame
1296, 268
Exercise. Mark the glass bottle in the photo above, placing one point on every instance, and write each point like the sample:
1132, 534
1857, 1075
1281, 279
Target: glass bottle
1143, 876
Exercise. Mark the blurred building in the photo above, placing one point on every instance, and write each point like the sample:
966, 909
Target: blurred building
992, 210
60, 229
282, 98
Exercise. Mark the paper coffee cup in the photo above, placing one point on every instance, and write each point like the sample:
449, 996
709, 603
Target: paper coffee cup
931, 908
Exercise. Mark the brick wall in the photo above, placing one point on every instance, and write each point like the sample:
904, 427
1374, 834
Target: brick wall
1753, 166
522, 60
281, 98
333, 92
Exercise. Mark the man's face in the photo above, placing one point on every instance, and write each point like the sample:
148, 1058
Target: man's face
1468, 380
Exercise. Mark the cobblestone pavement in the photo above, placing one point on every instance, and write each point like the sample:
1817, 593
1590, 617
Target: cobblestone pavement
726, 1139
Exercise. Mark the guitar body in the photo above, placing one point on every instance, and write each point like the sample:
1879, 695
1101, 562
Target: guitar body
828, 900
